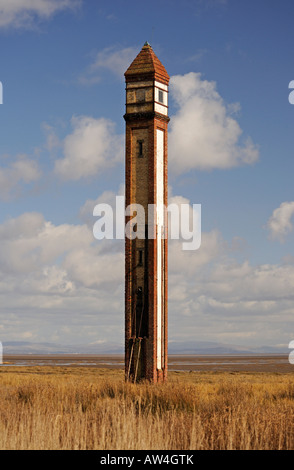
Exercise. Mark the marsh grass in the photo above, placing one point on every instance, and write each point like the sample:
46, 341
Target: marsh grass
87, 408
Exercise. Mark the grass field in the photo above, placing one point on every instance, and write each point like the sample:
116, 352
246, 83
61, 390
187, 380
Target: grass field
92, 408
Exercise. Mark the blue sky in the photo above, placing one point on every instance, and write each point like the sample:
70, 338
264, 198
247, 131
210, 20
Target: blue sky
62, 150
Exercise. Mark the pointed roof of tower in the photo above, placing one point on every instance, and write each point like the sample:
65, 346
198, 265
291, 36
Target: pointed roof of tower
147, 63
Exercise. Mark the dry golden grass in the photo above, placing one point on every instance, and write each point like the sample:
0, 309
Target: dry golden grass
87, 408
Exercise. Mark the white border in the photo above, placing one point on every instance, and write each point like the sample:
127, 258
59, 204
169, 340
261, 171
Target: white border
160, 219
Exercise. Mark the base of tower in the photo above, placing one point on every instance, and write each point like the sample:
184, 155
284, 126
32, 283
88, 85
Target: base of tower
137, 367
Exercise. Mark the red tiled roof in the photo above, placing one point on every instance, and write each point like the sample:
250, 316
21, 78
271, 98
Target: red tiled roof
146, 62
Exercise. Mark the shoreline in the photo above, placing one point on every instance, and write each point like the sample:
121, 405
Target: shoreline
195, 363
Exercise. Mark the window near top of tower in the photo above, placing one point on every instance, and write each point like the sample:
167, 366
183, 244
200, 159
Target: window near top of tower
140, 95
160, 96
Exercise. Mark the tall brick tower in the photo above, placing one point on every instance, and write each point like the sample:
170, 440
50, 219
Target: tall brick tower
146, 184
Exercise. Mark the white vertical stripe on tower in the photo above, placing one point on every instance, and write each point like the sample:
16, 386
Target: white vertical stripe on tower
159, 222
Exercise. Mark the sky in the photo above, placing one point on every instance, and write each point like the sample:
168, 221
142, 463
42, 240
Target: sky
231, 146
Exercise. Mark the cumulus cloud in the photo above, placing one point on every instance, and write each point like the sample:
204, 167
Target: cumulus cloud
107, 197
95, 269
216, 296
23, 13
21, 171
57, 282
116, 60
25, 226
212, 295
280, 223
61, 272
29, 242
203, 133
92, 147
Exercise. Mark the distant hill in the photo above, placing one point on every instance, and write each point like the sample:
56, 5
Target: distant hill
26, 347
218, 349
188, 347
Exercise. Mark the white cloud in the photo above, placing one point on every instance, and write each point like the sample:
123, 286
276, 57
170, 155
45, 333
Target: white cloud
56, 276
213, 296
95, 268
25, 226
280, 223
107, 197
111, 58
189, 262
23, 13
21, 171
216, 297
50, 273
92, 147
203, 134
29, 242
51, 280
38, 249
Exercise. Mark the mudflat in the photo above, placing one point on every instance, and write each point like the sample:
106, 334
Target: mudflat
209, 363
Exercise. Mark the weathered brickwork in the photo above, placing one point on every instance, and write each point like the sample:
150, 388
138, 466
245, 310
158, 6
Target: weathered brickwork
141, 264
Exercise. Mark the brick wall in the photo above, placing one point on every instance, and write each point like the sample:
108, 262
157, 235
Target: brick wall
142, 123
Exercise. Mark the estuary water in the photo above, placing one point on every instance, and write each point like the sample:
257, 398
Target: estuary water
257, 363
